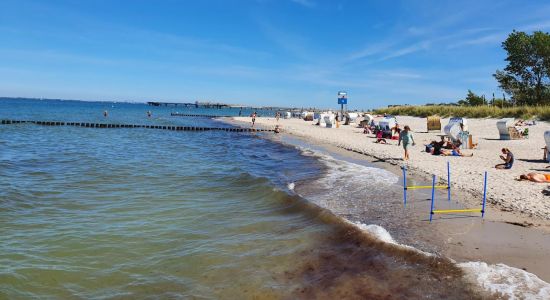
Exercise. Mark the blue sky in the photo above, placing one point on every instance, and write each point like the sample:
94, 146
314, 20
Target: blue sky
263, 52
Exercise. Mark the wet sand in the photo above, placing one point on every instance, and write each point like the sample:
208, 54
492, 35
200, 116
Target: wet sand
502, 237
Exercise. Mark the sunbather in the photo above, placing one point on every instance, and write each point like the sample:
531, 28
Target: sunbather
535, 177
379, 138
455, 152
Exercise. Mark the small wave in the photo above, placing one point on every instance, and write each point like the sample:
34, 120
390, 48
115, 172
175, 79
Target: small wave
290, 186
380, 233
348, 179
506, 281
510, 282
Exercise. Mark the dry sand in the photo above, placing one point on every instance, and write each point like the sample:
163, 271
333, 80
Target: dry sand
497, 239
504, 192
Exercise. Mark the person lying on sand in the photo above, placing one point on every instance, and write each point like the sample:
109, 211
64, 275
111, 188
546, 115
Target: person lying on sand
379, 138
455, 152
535, 177
508, 160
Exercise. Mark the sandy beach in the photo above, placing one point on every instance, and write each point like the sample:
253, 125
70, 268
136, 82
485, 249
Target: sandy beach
524, 201
516, 228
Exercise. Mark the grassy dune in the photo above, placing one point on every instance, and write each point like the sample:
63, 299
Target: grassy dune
524, 112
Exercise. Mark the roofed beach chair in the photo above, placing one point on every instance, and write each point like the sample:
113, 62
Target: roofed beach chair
503, 126
547, 141
457, 129
328, 120
433, 123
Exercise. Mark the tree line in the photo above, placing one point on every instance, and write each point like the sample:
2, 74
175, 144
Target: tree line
526, 78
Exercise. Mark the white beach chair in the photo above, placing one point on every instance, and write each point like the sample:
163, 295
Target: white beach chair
502, 126
454, 132
547, 141
387, 123
328, 120
350, 118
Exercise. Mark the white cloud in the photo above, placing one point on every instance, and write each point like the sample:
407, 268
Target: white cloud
424, 45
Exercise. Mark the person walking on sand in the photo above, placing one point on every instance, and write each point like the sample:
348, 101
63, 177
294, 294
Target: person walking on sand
508, 159
406, 137
253, 118
337, 121
277, 116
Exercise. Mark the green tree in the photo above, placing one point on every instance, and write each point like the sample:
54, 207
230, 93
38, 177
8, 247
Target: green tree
527, 75
472, 100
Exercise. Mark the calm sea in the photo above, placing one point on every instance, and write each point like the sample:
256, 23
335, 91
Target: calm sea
132, 213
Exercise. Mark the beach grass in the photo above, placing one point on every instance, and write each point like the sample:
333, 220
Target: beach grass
525, 112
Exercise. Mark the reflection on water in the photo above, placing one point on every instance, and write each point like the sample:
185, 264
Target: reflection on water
130, 213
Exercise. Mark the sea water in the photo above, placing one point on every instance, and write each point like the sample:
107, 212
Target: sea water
115, 213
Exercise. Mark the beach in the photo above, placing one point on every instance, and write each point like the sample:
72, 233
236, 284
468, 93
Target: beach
139, 212
504, 193
515, 231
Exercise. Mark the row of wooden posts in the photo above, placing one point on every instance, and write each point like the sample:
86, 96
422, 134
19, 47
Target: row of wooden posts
165, 127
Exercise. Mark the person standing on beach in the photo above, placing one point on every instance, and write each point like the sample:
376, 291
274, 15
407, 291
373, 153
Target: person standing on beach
406, 137
277, 116
337, 122
253, 118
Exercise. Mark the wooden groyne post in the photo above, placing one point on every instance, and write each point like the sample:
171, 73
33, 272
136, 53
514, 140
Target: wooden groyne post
163, 127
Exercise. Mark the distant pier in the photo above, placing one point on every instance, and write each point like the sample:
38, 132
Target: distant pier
163, 127
195, 105
200, 116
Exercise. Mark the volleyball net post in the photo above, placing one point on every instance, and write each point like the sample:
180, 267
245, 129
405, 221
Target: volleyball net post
444, 211
449, 181
404, 186
433, 196
433, 186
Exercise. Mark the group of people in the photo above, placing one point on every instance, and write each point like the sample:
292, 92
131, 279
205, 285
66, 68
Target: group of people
446, 148
508, 158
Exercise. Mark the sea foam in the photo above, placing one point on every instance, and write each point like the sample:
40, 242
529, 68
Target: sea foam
510, 282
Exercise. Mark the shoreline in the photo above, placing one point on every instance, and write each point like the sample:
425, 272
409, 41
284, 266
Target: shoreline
523, 204
503, 237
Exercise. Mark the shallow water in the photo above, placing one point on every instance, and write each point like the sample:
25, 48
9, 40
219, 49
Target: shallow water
136, 213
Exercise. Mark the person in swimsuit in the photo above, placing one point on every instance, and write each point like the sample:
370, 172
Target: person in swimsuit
535, 177
455, 152
406, 137
379, 138
253, 119
508, 159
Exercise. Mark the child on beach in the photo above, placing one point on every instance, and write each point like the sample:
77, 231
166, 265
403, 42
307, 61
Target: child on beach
508, 160
406, 137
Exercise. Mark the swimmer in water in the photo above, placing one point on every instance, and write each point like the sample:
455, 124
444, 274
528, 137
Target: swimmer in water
105, 114
149, 113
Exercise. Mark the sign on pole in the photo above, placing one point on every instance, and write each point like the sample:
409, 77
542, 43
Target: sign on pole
342, 97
